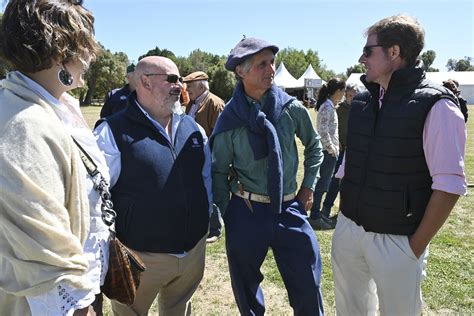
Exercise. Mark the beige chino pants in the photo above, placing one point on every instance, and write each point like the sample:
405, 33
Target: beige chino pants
371, 268
173, 279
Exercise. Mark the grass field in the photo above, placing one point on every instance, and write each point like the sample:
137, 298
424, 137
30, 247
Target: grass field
447, 290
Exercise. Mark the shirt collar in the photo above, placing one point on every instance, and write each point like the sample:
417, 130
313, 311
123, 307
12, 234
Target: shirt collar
176, 118
381, 95
38, 89
201, 97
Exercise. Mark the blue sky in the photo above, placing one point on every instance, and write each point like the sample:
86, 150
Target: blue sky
335, 29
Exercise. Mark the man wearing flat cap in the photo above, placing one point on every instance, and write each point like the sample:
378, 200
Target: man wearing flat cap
253, 145
116, 100
205, 107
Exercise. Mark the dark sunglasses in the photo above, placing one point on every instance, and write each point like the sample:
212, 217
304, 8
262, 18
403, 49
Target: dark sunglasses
367, 50
172, 78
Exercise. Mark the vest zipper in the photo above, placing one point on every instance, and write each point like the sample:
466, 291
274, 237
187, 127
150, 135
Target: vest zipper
183, 183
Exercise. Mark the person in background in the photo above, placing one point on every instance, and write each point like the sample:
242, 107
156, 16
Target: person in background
453, 86
402, 175
342, 118
116, 100
184, 97
161, 188
205, 107
254, 144
329, 96
54, 244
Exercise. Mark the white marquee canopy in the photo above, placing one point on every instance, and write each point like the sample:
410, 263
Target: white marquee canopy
284, 79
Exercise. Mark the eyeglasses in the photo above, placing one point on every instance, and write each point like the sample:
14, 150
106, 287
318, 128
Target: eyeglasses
367, 50
171, 78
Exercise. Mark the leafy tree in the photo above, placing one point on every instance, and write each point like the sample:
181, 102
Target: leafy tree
221, 81
105, 73
358, 68
460, 65
451, 64
199, 61
428, 58
294, 60
160, 52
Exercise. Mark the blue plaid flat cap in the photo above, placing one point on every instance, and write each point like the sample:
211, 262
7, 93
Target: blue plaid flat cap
245, 48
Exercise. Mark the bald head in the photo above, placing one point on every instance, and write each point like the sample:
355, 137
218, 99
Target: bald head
150, 64
157, 92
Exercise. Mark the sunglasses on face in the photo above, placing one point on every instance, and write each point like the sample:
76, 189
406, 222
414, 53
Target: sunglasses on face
367, 50
172, 78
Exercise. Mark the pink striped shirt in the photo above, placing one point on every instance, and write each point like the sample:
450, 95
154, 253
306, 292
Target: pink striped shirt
444, 144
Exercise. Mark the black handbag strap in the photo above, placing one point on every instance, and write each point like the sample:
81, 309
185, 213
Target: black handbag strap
100, 185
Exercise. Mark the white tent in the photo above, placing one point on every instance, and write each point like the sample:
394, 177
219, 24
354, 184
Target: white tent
284, 79
354, 78
310, 78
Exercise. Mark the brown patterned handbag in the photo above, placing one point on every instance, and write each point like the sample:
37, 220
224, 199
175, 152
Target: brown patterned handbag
125, 266
123, 276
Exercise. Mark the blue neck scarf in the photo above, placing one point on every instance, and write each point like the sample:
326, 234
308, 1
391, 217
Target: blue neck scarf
261, 133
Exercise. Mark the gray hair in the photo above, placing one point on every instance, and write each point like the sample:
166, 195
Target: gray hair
205, 84
245, 66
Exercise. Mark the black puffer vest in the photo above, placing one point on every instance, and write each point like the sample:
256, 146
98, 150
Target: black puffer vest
387, 184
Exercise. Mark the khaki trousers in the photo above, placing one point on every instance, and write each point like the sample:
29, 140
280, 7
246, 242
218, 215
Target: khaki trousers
172, 278
370, 268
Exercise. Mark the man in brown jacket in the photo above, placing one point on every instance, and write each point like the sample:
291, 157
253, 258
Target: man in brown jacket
205, 107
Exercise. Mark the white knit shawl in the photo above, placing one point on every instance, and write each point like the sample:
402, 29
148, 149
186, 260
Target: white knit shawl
44, 208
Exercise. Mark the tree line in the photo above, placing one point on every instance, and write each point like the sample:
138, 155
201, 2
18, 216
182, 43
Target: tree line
107, 72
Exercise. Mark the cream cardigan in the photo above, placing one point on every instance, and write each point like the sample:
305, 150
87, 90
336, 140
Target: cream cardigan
44, 208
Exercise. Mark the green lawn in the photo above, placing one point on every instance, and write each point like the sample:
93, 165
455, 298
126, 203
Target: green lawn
447, 290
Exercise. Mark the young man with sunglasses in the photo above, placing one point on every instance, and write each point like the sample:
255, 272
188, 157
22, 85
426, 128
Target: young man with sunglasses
401, 176
160, 178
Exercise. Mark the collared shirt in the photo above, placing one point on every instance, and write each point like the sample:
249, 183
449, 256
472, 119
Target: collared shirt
232, 147
197, 103
444, 143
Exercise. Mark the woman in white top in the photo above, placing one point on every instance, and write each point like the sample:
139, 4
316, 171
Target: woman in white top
53, 243
329, 96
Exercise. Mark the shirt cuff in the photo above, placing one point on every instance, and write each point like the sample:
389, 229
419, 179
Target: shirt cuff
450, 183
308, 183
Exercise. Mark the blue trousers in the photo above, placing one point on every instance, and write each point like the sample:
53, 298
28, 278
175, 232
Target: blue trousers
326, 171
250, 234
333, 188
